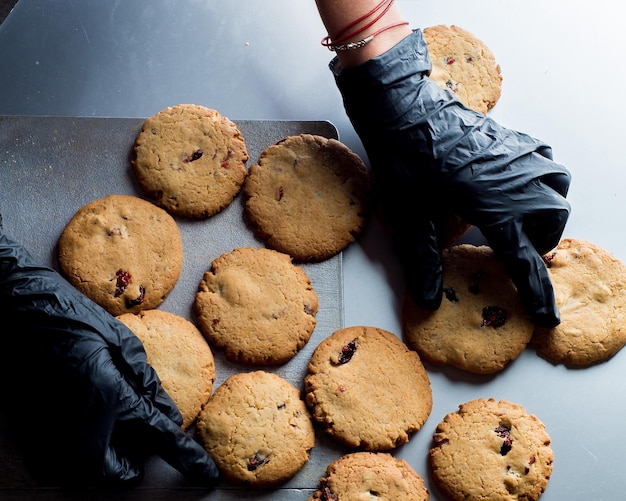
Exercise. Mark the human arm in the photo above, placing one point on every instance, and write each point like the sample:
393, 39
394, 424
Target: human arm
431, 154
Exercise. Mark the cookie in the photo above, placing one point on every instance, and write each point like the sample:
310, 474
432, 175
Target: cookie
367, 389
308, 196
124, 253
491, 449
257, 306
464, 65
590, 289
481, 325
257, 429
190, 160
371, 475
179, 354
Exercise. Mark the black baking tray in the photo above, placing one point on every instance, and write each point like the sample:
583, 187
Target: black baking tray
52, 166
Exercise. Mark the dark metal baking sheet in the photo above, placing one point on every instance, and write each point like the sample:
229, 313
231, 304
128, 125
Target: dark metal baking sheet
50, 167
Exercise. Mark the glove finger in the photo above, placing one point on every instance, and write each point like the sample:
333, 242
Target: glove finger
134, 428
117, 469
418, 251
101, 356
167, 439
74, 324
527, 270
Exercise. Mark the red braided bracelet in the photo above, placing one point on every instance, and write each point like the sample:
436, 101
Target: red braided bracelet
360, 43
338, 38
335, 44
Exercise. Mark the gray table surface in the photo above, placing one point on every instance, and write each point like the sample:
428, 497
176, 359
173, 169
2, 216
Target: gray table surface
252, 60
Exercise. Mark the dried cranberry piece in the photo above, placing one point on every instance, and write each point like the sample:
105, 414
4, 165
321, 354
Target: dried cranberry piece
494, 316
122, 279
194, 156
225, 162
450, 60
257, 461
548, 258
505, 433
327, 495
451, 294
279, 193
438, 440
347, 352
138, 300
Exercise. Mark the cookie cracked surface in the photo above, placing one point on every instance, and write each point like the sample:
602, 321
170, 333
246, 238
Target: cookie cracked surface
590, 289
257, 429
367, 389
481, 325
179, 354
257, 306
123, 252
190, 160
307, 196
370, 475
491, 449
464, 65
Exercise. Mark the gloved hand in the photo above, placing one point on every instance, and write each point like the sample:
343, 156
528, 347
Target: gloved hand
432, 155
93, 406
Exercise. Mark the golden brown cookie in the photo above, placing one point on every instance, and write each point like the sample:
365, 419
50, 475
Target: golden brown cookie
308, 196
179, 354
464, 65
256, 305
124, 253
367, 389
257, 429
590, 289
481, 324
491, 449
190, 160
371, 475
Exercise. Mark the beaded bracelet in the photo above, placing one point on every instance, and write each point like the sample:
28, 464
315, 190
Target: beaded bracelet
361, 43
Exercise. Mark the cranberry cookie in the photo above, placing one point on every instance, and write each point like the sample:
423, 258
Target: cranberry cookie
371, 475
308, 196
367, 389
122, 252
179, 354
481, 325
257, 306
190, 160
590, 289
464, 65
491, 449
257, 429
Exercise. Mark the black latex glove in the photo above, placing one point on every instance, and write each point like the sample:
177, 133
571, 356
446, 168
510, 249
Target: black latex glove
86, 396
432, 155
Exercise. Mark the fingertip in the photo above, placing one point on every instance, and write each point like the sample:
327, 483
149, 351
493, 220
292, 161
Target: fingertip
546, 319
120, 471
